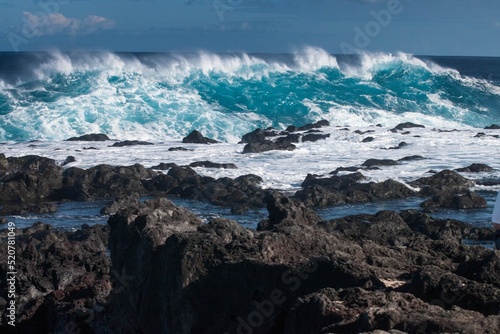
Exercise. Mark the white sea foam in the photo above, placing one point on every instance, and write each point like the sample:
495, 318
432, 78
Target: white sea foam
286, 170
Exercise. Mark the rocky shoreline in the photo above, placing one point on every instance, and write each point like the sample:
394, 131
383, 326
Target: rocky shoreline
157, 268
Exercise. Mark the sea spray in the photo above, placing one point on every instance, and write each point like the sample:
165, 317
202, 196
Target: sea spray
160, 96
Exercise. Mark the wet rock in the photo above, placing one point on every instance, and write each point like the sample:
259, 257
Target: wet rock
242, 268
368, 140
173, 149
317, 125
130, 143
470, 200
385, 227
446, 181
475, 168
121, 202
314, 137
258, 136
359, 132
370, 163
28, 179
90, 137
345, 169
62, 277
400, 145
412, 158
492, 127
480, 135
407, 125
195, 137
240, 194
283, 210
268, 145
164, 166
69, 160
102, 182
41, 208
209, 164
346, 189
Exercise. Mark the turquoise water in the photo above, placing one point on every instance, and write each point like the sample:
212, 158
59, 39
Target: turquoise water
154, 96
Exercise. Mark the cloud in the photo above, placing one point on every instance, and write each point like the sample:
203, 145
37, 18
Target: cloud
54, 24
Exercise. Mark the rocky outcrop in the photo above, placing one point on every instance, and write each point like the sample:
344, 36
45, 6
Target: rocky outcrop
406, 125
28, 179
102, 182
210, 164
62, 281
90, 137
475, 168
268, 145
126, 143
240, 194
446, 181
335, 190
195, 137
470, 200
171, 273
271, 139
356, 310
366, 273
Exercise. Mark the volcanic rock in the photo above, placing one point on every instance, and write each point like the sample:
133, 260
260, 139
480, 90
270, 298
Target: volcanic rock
90, 137
209, 164
475, 168
195, 137
130, 143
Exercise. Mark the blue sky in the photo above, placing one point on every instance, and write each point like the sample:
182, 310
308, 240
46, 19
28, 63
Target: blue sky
430, 27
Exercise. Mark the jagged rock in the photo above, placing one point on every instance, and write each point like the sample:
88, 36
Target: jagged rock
317, 125
195, 137
26, 209
492, 127
258, 136
368, 140
475, 168
446, 181
62, 278
28, 179
209, 164
437, 286
470, 200
314, 137
121, 202
370, 163
173, 149
283, 210
346, 189
412, 158
407, 125
102, 182
268, 145
90, 137
164, 166
130, 143
68, 160
356, 310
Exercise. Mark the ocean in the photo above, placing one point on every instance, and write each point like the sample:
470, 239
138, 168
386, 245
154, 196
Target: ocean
48, 97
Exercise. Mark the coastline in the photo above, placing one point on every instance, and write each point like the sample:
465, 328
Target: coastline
168, 271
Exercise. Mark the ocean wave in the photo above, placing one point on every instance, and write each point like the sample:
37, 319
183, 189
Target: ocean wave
160, 96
